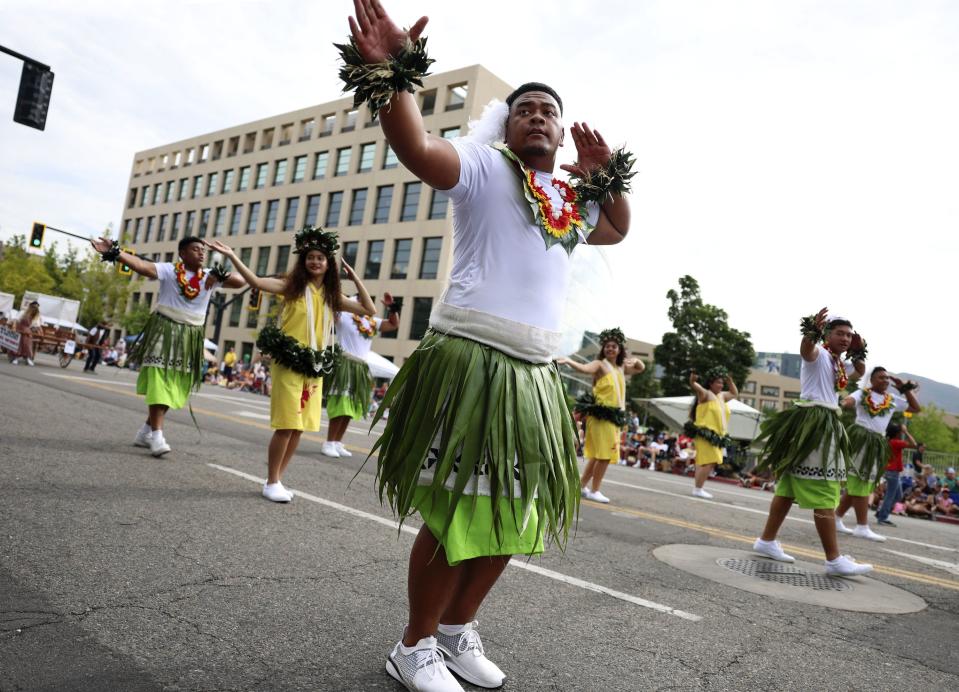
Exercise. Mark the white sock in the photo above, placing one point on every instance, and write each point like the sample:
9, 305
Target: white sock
145, 429
450, 630
862, 526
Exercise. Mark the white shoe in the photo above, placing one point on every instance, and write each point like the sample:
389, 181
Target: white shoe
286, 490
597, 496
344, 452
158, 445
421, 668
30, 363
867, 533
328, 449
465, 657
845, 566
15, 361
842, 528
143, 436
772, 549
699, 492
584, 492
276, 492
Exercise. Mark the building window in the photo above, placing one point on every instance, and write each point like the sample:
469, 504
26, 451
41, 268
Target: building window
374, 259
430, 262
149, 231
421, 317
357, 207
170, 187
168, 257
438, 205
299, 169
158, 193
768, 404
282, 259
252, 317
175, 226
329, 122
245, 255
286, 134
384, 200
217, 150
312, 210
219, 221
292, 209
320, 165
136, 231
177, 157
333, 211
272, 209
401, 258
456, 97
350, 249
197, 186
233, 146
252, 218
235, 219
766, 390
790, 395
749, 387
260, 176
748, 400
161, 228
204, 152
263, 261
132, 199
244, 182
236, 309
144, 193
279, 174
190, 156
343, 156
227, 182
211, 185
367, 153
450, 133
184, 188
389, 159
190, 223
427, 102
249, 142
266, 140
411, 200
306, 129
350, 124
204, 222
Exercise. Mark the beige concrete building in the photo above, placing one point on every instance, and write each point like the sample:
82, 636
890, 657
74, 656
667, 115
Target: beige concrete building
253, 185
768, 390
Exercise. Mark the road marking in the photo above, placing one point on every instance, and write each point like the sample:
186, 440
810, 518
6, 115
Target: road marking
806, 552
542, 571
763, 512
250, 414
951, 567
86, 380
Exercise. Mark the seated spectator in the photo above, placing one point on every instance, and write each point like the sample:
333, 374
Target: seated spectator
945, 504
918, 505
930, 481
763, 480
951, 483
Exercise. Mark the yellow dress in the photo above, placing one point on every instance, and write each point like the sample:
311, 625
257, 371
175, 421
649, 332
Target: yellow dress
712, 414
296, 400
602, 437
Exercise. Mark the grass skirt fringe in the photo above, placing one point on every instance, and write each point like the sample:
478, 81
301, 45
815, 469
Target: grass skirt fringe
790, 437
350, 379
496, 416
869, 452
170, 345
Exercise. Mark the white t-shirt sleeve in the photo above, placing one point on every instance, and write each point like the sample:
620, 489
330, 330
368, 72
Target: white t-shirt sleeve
900, 402
850, 368
476, 160
857, 395
165, 271
379, 321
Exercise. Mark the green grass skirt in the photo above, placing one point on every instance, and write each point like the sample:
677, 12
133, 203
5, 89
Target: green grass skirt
791, 438
171, 347
869, 452
470, 413
348, 389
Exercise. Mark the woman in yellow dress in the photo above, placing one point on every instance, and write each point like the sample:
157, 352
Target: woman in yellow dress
709, 423
605, 410
311, 298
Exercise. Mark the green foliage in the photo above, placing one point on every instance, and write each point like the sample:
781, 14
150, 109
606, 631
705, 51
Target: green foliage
930, 427
136, 318
20, 271
644, 385
702, 339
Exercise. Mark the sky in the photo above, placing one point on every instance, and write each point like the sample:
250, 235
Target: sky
791, 155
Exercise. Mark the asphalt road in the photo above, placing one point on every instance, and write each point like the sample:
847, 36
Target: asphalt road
119, 571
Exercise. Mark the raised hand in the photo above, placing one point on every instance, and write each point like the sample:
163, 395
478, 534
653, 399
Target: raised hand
350, 274
101, 244
857, 342
592, 152
220, 247
821, 318
387, 298
376, 35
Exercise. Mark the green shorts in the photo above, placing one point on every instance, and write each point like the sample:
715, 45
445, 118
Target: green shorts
339, 406
809, 493
164, 387
856, 487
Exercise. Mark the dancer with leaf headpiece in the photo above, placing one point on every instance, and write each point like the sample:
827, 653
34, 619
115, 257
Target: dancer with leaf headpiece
311, 298
709, 422
604, 409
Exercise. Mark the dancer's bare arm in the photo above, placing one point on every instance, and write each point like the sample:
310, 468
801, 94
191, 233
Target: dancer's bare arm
264, 283
363, 306
392, 323
808, 348
702, 394
138, 264
731, 391
633, 366
590, 368
431, 159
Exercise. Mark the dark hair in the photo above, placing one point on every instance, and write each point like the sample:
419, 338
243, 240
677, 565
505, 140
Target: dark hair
877, 369
534, 86
187, 240
620, 357
839, 323
892, 432
297, 279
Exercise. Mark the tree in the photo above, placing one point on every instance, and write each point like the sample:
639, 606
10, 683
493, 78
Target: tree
20, 271
929, 426
702, 339
643, 386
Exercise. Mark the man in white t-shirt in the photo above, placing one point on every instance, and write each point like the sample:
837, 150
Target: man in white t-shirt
169, 350
869, 446
806, 445
479, 439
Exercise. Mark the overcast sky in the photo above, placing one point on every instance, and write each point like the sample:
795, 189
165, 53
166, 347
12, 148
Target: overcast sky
791, 154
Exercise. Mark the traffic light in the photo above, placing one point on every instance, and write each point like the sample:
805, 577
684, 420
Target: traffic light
253, 302
36, 236
33, 100
125, 269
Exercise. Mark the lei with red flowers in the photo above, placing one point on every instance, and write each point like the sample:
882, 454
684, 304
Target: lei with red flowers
190, 288
839, 371
874, 409
366, 328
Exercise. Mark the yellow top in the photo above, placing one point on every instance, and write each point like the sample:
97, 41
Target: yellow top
229, 359
712, 414
293, 320
610, 389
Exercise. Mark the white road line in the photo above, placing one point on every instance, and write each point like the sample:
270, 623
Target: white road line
690, 498
250, 414
542, 571
951, 567
97, 380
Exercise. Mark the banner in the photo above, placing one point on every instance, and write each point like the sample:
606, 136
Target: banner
9, 339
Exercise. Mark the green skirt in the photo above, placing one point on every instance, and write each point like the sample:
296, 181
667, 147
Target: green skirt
469, 420
170, 346
805, 442
869, 452
348, 389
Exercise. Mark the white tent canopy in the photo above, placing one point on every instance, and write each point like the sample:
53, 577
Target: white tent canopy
674, 411
380, 367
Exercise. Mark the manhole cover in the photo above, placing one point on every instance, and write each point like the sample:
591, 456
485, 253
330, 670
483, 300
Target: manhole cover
784, 574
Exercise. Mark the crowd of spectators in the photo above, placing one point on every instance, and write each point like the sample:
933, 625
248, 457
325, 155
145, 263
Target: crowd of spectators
924, 494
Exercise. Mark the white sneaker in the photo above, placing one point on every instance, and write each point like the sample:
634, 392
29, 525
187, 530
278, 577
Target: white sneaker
845, 566
328, 449
842, 528
15, 361
344, 452
158, 445
772, 549
699, 492
867, 533
276, 492
597, 496
30, 363
286, 490
465, 657
143, 436
584, 492
421, 668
